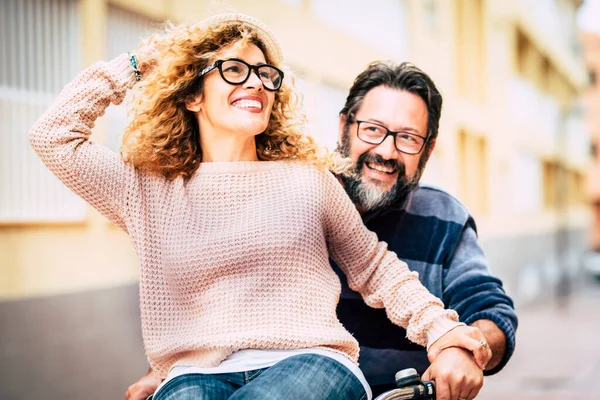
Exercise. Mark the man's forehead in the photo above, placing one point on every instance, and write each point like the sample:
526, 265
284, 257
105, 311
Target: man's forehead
382, 97
395, 108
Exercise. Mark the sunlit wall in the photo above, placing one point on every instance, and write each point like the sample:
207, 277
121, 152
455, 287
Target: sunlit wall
513, 146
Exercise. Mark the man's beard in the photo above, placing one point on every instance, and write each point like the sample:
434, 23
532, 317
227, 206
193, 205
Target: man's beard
370, 195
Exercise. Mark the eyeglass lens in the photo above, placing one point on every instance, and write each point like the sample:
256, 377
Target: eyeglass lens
236, 72
375, 134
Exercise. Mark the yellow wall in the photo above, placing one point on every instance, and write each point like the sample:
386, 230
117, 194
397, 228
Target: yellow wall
40, 259
474, 60
591, 49
477, 134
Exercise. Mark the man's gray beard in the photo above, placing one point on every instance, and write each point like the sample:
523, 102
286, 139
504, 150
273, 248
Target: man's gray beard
371, 196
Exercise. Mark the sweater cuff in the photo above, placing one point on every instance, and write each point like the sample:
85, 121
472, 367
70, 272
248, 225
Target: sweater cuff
439, 328
122, 70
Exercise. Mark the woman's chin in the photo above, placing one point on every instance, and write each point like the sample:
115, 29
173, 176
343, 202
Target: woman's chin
251, 131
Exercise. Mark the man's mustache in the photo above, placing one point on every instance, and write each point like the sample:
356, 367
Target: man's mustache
377, 159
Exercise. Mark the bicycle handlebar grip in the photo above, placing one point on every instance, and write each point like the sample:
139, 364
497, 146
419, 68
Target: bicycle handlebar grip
420, 391
410, 387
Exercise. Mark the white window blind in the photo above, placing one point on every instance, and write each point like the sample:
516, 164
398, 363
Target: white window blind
383, 24
125, 32
330, 100
39, 53
527, 182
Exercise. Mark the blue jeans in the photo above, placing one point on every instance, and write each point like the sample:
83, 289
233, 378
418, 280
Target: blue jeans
301, 377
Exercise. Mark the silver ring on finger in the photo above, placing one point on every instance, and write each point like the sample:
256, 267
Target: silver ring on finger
484, 344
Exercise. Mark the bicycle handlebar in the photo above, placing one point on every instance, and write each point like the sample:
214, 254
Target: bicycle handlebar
410, 387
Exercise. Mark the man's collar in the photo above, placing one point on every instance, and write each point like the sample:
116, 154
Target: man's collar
398, 205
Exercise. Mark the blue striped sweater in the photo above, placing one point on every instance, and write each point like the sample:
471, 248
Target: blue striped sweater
437, 237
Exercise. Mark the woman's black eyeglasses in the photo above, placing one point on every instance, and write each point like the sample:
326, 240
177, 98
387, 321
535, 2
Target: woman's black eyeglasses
236, 72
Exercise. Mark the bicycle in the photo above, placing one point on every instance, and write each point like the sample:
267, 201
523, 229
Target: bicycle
410, 387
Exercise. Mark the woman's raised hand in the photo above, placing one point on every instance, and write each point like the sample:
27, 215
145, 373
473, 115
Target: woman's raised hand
466, 337
147, 55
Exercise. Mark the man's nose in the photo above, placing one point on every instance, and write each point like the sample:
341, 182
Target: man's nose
387, 149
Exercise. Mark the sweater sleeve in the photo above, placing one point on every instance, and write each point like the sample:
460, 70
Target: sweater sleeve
60, 138
378, 275
471, 289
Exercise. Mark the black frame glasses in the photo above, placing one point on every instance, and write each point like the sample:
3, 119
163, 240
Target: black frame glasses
265, 73
408, 144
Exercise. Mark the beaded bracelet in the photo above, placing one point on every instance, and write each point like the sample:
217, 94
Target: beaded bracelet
138, 74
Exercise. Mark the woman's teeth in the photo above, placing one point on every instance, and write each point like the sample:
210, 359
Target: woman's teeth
248, 104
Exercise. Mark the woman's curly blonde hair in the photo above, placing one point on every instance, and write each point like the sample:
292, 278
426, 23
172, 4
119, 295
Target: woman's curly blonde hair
163, 137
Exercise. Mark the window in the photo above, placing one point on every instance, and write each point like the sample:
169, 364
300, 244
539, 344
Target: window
526, 179
472, 159
576, 188
552, 175
577, 137
296, 3
330, 100
522, 46
470, 36
322, 103
125, 31
39, 49
431, 13
382, 24
537, 68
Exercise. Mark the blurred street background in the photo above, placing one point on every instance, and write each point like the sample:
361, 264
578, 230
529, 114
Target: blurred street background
518, 145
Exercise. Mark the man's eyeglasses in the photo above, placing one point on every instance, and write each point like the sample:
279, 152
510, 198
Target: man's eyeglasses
236, 72
405, 142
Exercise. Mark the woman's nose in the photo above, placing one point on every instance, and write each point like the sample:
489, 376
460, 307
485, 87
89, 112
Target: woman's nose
253, 81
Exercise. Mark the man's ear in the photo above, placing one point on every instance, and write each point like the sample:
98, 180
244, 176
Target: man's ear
194, 105
341, 125
431, 146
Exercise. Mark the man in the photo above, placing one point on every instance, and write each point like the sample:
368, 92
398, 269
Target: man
389, 127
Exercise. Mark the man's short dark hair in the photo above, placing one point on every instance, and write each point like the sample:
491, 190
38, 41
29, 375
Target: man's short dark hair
406, 77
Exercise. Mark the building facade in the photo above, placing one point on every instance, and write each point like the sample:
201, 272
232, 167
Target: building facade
512, 146
591, 48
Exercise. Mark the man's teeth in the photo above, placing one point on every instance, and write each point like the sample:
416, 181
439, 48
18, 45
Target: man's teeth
248, 104
381, 168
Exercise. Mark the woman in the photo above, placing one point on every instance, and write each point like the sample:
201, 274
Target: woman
233, 217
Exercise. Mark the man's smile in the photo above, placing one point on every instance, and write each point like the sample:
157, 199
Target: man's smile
381, 168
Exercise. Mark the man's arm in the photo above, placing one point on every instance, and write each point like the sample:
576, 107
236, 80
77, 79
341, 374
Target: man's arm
495, 339
478, 297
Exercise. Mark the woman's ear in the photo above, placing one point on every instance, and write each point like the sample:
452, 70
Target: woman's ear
194, 105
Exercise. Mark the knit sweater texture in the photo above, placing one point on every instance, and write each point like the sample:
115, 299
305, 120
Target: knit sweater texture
237, 256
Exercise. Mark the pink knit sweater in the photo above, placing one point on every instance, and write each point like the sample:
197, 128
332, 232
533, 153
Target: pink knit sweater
236, 257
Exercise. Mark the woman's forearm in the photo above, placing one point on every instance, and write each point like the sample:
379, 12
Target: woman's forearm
61, 137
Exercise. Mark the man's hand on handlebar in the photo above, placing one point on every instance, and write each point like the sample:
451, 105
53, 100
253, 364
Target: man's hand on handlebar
456, 375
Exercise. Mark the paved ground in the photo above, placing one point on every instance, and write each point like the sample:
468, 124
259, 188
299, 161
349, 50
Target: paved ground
557, 354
